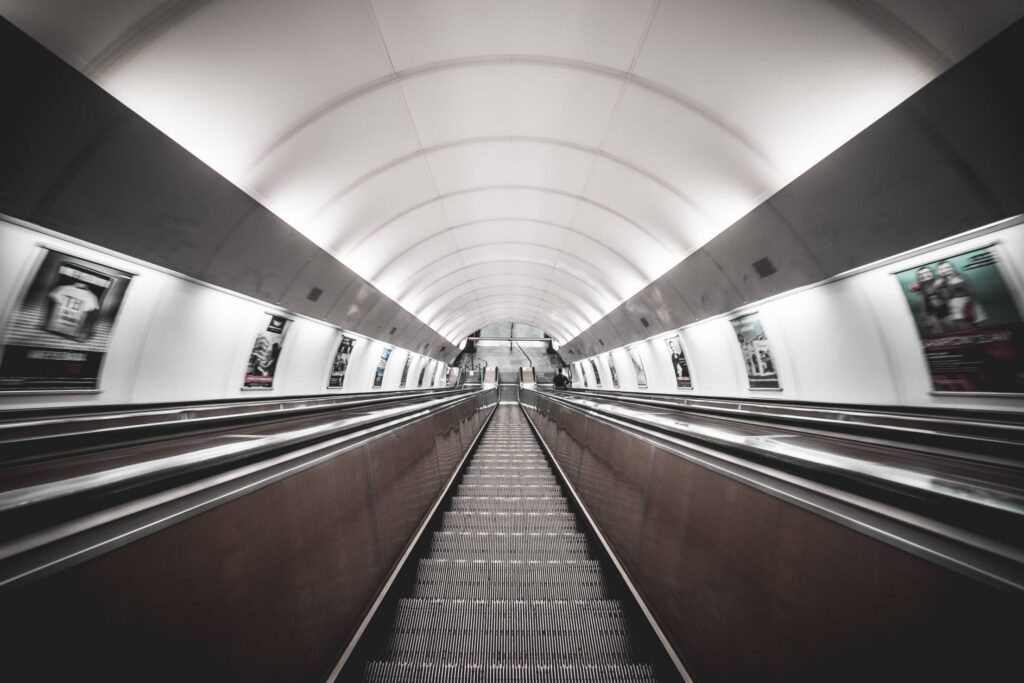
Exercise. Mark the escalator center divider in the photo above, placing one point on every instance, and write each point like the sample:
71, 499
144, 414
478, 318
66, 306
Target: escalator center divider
507, 583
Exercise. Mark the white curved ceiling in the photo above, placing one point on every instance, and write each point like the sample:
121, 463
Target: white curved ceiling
488, 160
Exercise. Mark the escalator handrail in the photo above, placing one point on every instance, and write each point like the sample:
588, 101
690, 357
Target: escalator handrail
126, 475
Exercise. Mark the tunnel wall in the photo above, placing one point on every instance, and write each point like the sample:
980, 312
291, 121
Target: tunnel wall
266, 586
175, 339
849, 341
751, 581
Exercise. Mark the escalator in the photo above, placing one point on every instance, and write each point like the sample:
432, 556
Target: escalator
510, 586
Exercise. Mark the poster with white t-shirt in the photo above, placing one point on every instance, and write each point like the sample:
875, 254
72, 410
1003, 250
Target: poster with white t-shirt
58, 335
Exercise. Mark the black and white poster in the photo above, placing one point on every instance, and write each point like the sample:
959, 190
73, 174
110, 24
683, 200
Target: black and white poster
423, 373
58, 335
405, 371
757, 353
597, 375
340, 365
638, 367
266, 350
583, 374
613, 372
382, 364
679, 365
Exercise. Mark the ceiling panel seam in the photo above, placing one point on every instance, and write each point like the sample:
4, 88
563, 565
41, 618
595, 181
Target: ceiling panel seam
415, 130
530, 188
608, 124
526, 261
595, 305
514, 291
735, 133
424, 151
611, 293
494, 302
452, 228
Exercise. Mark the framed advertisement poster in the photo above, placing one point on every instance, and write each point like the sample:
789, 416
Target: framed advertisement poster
58, 334
757, 353
583, 374
423, 373
405, 371
638, 367
382, 364
613, 372
336, 380
266, 350
597, 375
968, 323
680, 367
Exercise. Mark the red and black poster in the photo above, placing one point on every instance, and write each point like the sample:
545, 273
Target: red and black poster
58, 335
968, 323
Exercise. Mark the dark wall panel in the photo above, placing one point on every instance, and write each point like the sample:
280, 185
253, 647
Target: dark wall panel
750, 586
269, 586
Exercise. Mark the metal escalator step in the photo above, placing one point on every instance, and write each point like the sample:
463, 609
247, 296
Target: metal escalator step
509, 490
497, 672
506, 630
510, 521
490, 545
508, 478
510, 580
509, 504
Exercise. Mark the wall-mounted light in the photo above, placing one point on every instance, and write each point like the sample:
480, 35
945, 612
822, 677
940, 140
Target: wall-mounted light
462, 344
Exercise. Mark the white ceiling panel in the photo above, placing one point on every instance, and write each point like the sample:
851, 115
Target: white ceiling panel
511, 162
533, 203
675, 219
299, 176
600, 31
377, 242
505, 98
349, 216
690, 152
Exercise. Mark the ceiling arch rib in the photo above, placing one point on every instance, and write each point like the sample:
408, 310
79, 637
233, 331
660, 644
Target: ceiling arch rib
564, 282
567, 313
460, 329
604, 296
626, 281
603, 246
692, 105
552, 297
529, 188
633, 166
473, 320
465, 320
581, 274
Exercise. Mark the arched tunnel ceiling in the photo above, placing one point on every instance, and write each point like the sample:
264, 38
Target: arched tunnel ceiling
482, 161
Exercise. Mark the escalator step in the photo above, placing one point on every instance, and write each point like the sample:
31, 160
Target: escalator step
510, 580
509, 504
472, 545
448, 672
